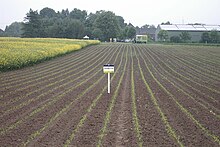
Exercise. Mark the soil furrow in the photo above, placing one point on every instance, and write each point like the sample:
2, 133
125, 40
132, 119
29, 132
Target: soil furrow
156, 99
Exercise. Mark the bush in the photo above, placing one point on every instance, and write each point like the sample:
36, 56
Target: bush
175, 39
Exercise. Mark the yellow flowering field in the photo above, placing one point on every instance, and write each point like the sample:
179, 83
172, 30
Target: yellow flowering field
19, 52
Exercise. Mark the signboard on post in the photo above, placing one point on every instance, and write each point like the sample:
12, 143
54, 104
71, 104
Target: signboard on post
108, 68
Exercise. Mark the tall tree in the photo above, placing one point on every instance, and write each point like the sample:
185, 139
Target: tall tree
97, 34
63, 13
108, 24
214, 36
129, 32
32, 26
205, 38
121, 22
14, 30
74, 29
145, 26
163, 35
47, 13
175, 39
78, 14
185, 36
2, 33
74, 24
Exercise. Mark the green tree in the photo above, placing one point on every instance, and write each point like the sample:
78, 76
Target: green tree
97, 33
47, 13
214, 37
129, 32
14, 30
121, 22
32, 26
2, 33
64, 13
163, 35
205, 38
89, 24
74, 24
91, 18
175, 39
74, 29
185, 36
108, 24
57, 30
78, 14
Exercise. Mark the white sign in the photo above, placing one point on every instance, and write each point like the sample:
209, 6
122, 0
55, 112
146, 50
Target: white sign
108, 68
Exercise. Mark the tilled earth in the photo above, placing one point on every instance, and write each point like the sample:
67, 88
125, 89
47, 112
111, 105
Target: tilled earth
161, 95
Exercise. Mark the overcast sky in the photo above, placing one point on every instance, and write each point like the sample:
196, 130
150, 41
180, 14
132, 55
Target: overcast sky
137, 12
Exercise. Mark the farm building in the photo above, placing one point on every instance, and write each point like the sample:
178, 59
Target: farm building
195, 31
149, 31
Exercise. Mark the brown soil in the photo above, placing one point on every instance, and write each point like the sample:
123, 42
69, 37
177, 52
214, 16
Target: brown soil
42, 105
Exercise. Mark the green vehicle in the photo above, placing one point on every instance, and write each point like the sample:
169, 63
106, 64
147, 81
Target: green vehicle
141, 39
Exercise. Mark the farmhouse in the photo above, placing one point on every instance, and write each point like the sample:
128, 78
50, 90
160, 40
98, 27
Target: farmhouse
195, 31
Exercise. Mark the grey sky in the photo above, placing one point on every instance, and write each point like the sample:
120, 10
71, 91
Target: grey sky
138, 12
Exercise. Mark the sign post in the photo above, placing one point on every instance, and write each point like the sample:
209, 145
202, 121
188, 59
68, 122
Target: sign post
109, 82
108, 68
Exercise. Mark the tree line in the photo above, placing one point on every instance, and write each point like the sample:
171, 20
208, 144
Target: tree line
184, 37
77, 23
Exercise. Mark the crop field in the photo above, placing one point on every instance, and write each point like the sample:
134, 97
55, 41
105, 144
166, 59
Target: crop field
161, 95
18, 52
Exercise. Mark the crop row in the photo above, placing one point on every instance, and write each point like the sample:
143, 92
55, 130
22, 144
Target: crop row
206, 55
70, 75
179, 84
180, 106
182, 65
169, 128
196, 71
46, 68
67, 105
71, 80
184, 83
72, 61
52, 100
181, 76
111, 106
93, 105
174, 69
134, 106
60, 95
